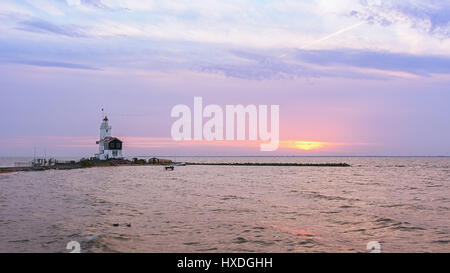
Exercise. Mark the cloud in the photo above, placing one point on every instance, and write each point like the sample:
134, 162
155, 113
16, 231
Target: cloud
50, 7
128, 53
42, 26
341, 63
416, 64
57, 64
95, 3
92, 4
265, 72
431, 17
248, 41
315, 24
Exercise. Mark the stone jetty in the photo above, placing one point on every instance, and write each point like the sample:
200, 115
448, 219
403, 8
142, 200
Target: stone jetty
88, 163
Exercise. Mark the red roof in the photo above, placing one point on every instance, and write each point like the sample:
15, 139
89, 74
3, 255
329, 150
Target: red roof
109, 139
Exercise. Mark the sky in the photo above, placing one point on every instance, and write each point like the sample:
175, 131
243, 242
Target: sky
352, 77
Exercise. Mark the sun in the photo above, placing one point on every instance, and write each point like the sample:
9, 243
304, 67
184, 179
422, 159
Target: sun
304, 145
309, 145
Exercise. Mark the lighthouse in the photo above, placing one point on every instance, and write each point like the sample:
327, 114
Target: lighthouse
109, 147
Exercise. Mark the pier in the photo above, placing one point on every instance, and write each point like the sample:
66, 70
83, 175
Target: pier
273, 164
88, 163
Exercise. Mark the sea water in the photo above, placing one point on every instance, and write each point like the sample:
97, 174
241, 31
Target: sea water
400, 202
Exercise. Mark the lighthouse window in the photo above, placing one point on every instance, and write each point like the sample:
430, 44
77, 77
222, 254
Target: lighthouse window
115, 145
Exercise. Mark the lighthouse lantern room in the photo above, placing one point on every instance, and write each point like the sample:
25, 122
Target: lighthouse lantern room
108, 146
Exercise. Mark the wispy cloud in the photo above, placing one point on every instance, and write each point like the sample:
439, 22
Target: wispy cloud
345, 63
428, 16
250, 64
42, 26
95, 3
416, 64
56, 64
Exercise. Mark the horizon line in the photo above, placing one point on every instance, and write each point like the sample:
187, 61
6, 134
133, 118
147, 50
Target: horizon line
78, 156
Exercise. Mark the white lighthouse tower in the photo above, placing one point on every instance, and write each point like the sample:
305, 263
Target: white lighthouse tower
108, 147
105, 131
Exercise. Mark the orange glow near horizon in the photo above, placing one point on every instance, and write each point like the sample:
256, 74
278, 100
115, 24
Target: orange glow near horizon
286, 144
309, 145
149, 142
165, 142
304, 145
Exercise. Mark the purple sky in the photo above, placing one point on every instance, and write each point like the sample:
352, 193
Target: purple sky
363, 77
